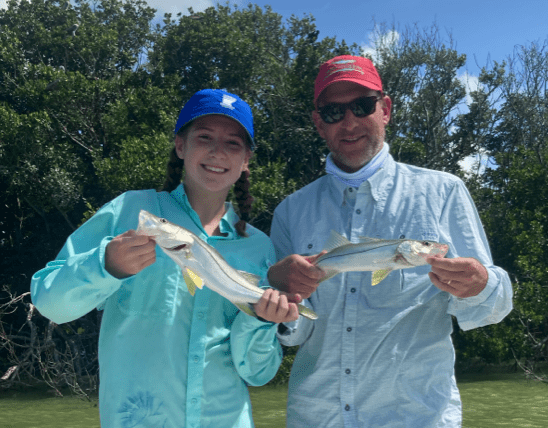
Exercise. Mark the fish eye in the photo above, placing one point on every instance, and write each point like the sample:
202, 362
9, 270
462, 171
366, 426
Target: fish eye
426, 243
163, 220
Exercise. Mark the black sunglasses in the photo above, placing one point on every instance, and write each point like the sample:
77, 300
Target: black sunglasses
360, 107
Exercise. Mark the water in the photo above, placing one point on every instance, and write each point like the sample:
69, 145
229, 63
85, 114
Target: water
489, 401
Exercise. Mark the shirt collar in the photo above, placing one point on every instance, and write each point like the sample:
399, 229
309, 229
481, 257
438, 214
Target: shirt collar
379, 183
226, 225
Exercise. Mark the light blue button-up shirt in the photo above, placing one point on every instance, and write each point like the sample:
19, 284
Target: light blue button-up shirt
167, 359
382, 356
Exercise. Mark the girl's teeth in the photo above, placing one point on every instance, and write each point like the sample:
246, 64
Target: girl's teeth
211, 168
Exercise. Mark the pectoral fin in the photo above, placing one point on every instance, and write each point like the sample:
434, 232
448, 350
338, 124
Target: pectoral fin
192, 281
379, 275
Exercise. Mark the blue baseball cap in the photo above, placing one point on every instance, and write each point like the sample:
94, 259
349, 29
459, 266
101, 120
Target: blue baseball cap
217, 101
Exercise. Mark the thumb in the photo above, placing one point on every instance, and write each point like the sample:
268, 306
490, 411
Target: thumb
313, 259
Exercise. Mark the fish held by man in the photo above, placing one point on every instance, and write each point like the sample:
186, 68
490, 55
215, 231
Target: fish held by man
380, 256
203, 265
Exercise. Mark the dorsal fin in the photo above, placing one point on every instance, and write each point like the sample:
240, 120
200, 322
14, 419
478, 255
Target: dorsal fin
335, 241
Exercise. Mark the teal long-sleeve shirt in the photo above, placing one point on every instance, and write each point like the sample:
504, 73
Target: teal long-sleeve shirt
167, 359
382, 356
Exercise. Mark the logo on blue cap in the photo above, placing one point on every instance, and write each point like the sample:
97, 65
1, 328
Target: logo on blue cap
217, 101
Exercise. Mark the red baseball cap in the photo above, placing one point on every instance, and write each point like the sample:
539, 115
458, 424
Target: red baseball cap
347, 68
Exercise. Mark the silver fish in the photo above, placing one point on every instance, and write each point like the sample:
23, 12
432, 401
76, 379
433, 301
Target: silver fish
380, 256
203, 265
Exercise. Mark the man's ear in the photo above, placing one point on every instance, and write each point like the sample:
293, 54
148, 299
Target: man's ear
386, 109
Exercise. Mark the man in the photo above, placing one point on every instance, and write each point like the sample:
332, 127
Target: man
379, 356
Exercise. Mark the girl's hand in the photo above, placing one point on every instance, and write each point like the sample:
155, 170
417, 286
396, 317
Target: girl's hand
128, 254
277, 307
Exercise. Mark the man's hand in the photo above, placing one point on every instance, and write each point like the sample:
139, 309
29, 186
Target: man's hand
462, 277
296, 274
128, 254
277, 307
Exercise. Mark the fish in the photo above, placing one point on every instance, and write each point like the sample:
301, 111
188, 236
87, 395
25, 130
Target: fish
202, 264
381, 256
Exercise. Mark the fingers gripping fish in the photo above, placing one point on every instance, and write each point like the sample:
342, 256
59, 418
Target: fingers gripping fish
203, 265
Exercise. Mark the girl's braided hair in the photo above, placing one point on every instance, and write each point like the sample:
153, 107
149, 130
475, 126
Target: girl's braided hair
174, 176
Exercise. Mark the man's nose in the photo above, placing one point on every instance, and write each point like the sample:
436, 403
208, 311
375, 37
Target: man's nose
350, 121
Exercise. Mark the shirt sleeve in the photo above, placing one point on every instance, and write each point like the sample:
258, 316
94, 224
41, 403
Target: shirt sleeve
256, 351
77, 282
461, 227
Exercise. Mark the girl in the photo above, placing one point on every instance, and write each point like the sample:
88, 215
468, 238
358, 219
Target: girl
168, 359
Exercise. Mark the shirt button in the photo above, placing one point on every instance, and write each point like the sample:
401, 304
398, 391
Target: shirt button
347, 371
358, 211
194, 401
349, 329
352, 290
200, 315
347, 407
310, 246
196, 359
402, 236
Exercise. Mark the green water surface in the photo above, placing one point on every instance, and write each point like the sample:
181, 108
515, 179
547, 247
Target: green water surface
494, 400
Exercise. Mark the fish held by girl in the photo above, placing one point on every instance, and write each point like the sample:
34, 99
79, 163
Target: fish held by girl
380, 256
203, 265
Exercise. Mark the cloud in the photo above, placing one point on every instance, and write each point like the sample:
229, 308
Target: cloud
471, 84
174, 7
169, 6
377, 40
476, 164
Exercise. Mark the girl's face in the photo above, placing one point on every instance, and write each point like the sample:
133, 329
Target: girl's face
215, 152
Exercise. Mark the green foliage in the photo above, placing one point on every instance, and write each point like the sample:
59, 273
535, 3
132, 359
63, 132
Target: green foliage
87, 113
419, 73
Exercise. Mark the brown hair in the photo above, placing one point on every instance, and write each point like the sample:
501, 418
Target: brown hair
174, 175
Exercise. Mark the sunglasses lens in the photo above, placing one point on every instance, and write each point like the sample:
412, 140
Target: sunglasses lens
364, 106
333, 113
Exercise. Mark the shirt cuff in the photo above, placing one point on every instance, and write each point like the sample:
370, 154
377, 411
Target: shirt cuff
492, 283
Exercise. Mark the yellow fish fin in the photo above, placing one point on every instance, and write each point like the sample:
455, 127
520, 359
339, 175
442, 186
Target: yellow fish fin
192, 281
379, 275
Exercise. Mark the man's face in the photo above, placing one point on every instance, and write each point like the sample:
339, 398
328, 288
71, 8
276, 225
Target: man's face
353, 141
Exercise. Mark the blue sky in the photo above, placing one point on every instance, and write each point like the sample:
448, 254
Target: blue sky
481, 29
